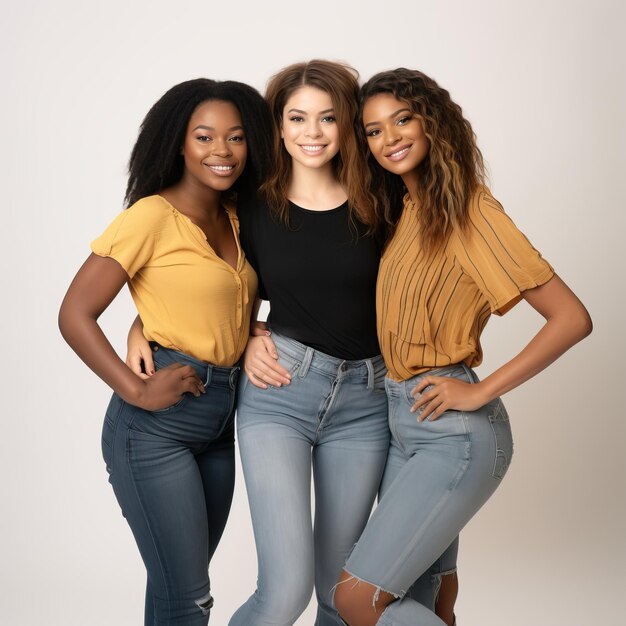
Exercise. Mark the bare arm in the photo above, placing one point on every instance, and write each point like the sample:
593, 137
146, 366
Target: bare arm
138, 352
260, 359
94, 287
567, 322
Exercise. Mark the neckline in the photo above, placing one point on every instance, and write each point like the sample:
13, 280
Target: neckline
199, 233
319, 211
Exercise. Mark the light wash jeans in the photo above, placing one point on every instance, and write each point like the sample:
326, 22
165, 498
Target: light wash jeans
439, 473
332, 416
173, 473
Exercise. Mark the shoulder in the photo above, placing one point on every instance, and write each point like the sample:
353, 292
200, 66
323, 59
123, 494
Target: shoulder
486, 214
151, 210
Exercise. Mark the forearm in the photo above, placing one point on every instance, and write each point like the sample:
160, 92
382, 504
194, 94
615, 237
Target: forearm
86, 338
567, 323
553, 340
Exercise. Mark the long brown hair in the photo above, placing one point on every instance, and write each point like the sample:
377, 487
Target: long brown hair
339, 81
450, 173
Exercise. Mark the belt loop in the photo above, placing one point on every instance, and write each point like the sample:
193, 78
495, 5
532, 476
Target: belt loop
370, 373
470, 373
209, 373
234, 375
306, 362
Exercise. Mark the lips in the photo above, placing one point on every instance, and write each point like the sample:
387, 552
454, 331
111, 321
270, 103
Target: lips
221, 169
398, 153
312, 149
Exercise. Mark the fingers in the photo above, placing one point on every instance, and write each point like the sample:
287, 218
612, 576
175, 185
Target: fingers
261, 365
134, 363
148, 361
270, 347
257, 382
192, 382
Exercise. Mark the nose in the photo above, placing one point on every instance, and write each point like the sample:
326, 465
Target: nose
221, 147
391, 136
312, 129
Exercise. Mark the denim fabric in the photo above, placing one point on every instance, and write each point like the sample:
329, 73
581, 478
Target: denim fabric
425, 589
449, 468
333, 418
173, 474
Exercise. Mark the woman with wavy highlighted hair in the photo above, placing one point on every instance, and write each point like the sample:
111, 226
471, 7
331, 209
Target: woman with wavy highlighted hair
453, 259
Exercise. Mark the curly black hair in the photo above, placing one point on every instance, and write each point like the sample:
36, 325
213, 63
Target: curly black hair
156, 161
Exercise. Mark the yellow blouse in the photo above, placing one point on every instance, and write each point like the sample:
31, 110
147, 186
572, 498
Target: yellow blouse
432, 311
188, 298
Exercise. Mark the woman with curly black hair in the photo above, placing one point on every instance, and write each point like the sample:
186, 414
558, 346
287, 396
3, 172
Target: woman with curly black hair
168, 439
453, 259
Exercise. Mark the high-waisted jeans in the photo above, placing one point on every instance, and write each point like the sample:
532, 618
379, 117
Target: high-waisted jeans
173, 475
439, 473
333, 415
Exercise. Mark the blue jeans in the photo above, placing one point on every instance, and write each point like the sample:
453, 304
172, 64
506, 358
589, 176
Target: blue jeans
333, 417
173, 474
442, 472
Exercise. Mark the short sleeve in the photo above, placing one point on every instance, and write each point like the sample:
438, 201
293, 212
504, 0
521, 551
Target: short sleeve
498, 256
130, 239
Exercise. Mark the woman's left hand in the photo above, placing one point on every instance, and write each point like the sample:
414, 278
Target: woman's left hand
446, 394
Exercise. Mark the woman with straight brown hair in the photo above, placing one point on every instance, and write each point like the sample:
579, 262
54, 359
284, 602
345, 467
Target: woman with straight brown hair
310, 236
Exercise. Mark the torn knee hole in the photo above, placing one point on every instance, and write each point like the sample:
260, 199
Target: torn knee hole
205, 604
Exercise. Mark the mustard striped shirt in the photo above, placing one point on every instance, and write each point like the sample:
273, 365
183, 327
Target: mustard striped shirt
431, 311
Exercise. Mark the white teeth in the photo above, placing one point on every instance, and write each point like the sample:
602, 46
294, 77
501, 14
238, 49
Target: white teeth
395, 154
312, 148
222, 168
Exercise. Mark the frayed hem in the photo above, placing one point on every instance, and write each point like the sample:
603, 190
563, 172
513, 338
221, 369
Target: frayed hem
448, 572
356, 580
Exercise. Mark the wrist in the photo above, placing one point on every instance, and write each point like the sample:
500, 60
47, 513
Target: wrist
135, 392
485, 394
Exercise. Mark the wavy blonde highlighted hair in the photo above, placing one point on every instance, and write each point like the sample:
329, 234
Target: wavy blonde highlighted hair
340, 82
450, 173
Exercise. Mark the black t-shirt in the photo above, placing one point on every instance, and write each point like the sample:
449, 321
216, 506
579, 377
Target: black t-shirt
319, 274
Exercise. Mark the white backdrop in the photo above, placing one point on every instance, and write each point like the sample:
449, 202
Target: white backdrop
543, 83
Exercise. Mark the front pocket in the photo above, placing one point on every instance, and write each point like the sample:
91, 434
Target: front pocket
174, 407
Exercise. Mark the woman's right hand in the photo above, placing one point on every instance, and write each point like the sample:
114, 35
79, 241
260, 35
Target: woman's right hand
260, 363
166, 387
138, 351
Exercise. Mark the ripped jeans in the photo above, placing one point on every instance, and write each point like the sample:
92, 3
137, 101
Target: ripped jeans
173, 474
331, 421
443, 471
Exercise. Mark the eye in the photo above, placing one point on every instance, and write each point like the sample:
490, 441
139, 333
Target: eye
237, 139
296, 118
373, 133
329, 119
404, 120
203, 138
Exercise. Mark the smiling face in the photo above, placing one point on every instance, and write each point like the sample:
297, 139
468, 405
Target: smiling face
215, 148
395, 135
309, 128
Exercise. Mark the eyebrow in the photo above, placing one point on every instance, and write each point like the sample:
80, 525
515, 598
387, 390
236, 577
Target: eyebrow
391, 116
211, 128
304, 112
